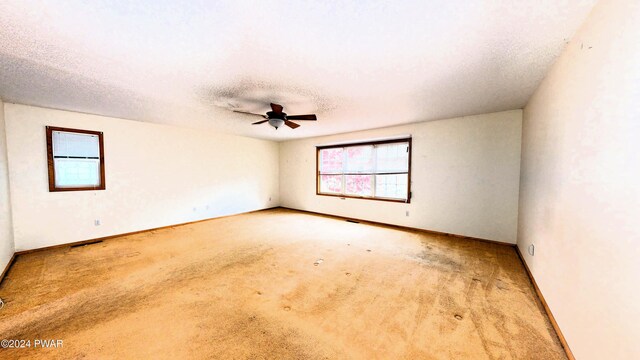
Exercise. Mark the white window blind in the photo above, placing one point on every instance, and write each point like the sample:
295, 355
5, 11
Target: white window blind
76, 158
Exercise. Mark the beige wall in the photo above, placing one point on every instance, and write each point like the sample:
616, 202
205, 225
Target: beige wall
580, 197
465, 176
156, 175
6, 232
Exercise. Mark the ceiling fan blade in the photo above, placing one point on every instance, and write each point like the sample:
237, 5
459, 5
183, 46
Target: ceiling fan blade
302, 117
248, 113
291, 124
259, 122
276, 108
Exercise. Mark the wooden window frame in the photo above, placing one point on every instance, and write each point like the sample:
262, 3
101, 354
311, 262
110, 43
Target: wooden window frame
51, 164
365, 143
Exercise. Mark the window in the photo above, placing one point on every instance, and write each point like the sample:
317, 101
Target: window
75, 159
374, 170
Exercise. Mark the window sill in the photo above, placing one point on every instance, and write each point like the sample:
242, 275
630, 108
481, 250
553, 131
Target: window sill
77, 189
407, 201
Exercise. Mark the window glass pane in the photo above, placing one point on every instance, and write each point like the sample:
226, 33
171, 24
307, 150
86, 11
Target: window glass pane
392, 186
75, 144
77, 172
358, 185
331, 161
331, 184
392, 158
359, 159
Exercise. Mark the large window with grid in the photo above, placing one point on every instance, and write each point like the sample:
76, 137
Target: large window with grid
379, 170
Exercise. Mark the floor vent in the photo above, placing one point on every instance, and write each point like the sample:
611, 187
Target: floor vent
353, 221
87, 243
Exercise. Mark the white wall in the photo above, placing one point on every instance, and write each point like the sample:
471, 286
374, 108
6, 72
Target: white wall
155, 176
580, 197
465, 176
6, 232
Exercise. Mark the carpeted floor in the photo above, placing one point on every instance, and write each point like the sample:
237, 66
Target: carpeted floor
246, 287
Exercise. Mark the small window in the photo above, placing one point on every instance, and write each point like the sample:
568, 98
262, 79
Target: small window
376, 170
75, 159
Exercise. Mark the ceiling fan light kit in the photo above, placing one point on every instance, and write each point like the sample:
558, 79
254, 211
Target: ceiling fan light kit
276, 123
277, 118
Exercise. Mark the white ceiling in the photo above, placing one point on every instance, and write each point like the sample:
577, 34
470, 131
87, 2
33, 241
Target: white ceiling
357, 64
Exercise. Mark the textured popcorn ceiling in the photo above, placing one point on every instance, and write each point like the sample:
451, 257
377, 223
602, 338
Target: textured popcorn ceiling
358, 64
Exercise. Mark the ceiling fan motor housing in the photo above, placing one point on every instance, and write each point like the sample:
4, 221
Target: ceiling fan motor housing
277, 115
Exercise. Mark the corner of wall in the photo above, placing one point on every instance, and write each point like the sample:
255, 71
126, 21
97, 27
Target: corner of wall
279, 202
7, 244
281, 173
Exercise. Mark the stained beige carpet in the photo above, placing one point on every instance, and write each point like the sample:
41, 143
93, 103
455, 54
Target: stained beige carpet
246, 287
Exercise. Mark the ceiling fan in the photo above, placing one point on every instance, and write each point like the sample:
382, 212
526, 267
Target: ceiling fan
277, 118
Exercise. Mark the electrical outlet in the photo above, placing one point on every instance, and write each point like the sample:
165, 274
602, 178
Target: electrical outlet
407, 213
207, 207
194, 209
96, 222
269, 198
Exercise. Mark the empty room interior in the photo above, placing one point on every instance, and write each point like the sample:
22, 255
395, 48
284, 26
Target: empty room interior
320, 179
